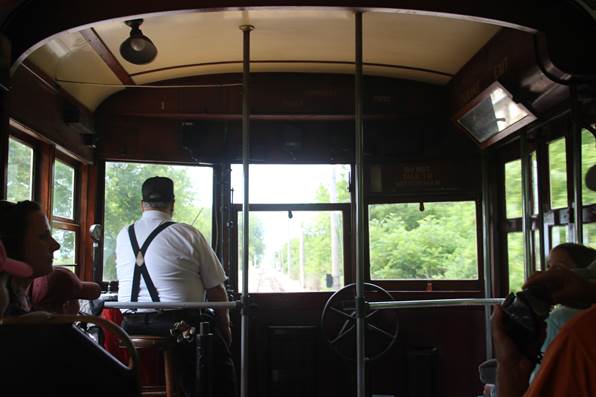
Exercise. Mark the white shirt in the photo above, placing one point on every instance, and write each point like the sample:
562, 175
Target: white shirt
181, 263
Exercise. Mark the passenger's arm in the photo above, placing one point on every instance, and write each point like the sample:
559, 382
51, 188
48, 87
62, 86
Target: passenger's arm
513, 369
222, 317
565, 287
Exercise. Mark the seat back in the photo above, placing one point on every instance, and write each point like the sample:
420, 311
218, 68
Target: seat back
58, 359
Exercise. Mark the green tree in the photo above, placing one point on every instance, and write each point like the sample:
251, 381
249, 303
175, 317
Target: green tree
19, 184
63, 190
437, 243
256, 244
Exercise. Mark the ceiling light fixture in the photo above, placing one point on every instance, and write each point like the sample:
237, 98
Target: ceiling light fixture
138, 48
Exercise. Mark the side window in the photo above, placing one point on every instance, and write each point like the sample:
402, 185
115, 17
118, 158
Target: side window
513, 215
20, 171
65, 226
438, 243
558, 173
588, 196
513, 210
193, 188
588, 160
515, 258
513, 189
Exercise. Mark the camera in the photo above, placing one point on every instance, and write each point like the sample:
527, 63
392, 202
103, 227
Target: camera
524, 320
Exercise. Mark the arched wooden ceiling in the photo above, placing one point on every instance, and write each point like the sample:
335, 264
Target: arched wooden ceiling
87, 64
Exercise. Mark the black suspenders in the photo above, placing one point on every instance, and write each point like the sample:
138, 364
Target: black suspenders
140, 268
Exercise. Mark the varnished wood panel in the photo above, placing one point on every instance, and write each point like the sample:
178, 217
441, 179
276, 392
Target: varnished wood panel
40, 108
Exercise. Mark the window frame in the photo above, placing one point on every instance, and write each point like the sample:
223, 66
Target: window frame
547, 218
61, 223
457, 286
344, 208
45, 153
30, 142
112, 285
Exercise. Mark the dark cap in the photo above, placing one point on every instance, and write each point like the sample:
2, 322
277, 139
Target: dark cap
158, 188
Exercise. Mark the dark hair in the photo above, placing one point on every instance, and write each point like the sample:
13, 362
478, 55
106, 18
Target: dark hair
581, 255
14, 220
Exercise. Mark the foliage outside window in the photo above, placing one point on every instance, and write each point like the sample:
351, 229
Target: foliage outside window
558, 173
300, 253
193, 188
438, 243
588, 160
534, 184
590, 235
513, 189
515, 259
66, 255
63, 200
20, 171
303, 252
558, 235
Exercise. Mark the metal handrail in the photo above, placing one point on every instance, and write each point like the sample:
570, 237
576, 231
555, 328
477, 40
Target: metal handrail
435, 303
173, 305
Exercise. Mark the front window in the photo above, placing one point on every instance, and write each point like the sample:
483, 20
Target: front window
193, 188
294, 251
423, 241
297, 218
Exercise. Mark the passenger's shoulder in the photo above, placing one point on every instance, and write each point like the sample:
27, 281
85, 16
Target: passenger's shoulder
186, 228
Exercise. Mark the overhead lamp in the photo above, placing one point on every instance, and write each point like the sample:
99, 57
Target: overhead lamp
492, 115
138, 48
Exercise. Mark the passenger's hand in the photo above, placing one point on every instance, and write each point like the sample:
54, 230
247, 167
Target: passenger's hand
513, 369
565, 286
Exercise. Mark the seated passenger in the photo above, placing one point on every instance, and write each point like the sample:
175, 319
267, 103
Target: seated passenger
568, 367
9, 267
25, 231
162, 261
59, 292
571, 256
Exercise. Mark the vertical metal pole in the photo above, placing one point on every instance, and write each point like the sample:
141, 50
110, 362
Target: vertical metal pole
542, 179
359, 188
246, 29
576, 149
526, 205
486, 249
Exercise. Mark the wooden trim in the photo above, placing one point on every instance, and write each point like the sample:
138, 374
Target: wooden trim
97, 211
44, 178
52, 86
62, 224
83, 232
286, 61
26, 131
293, 207
106, 55
263, 117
